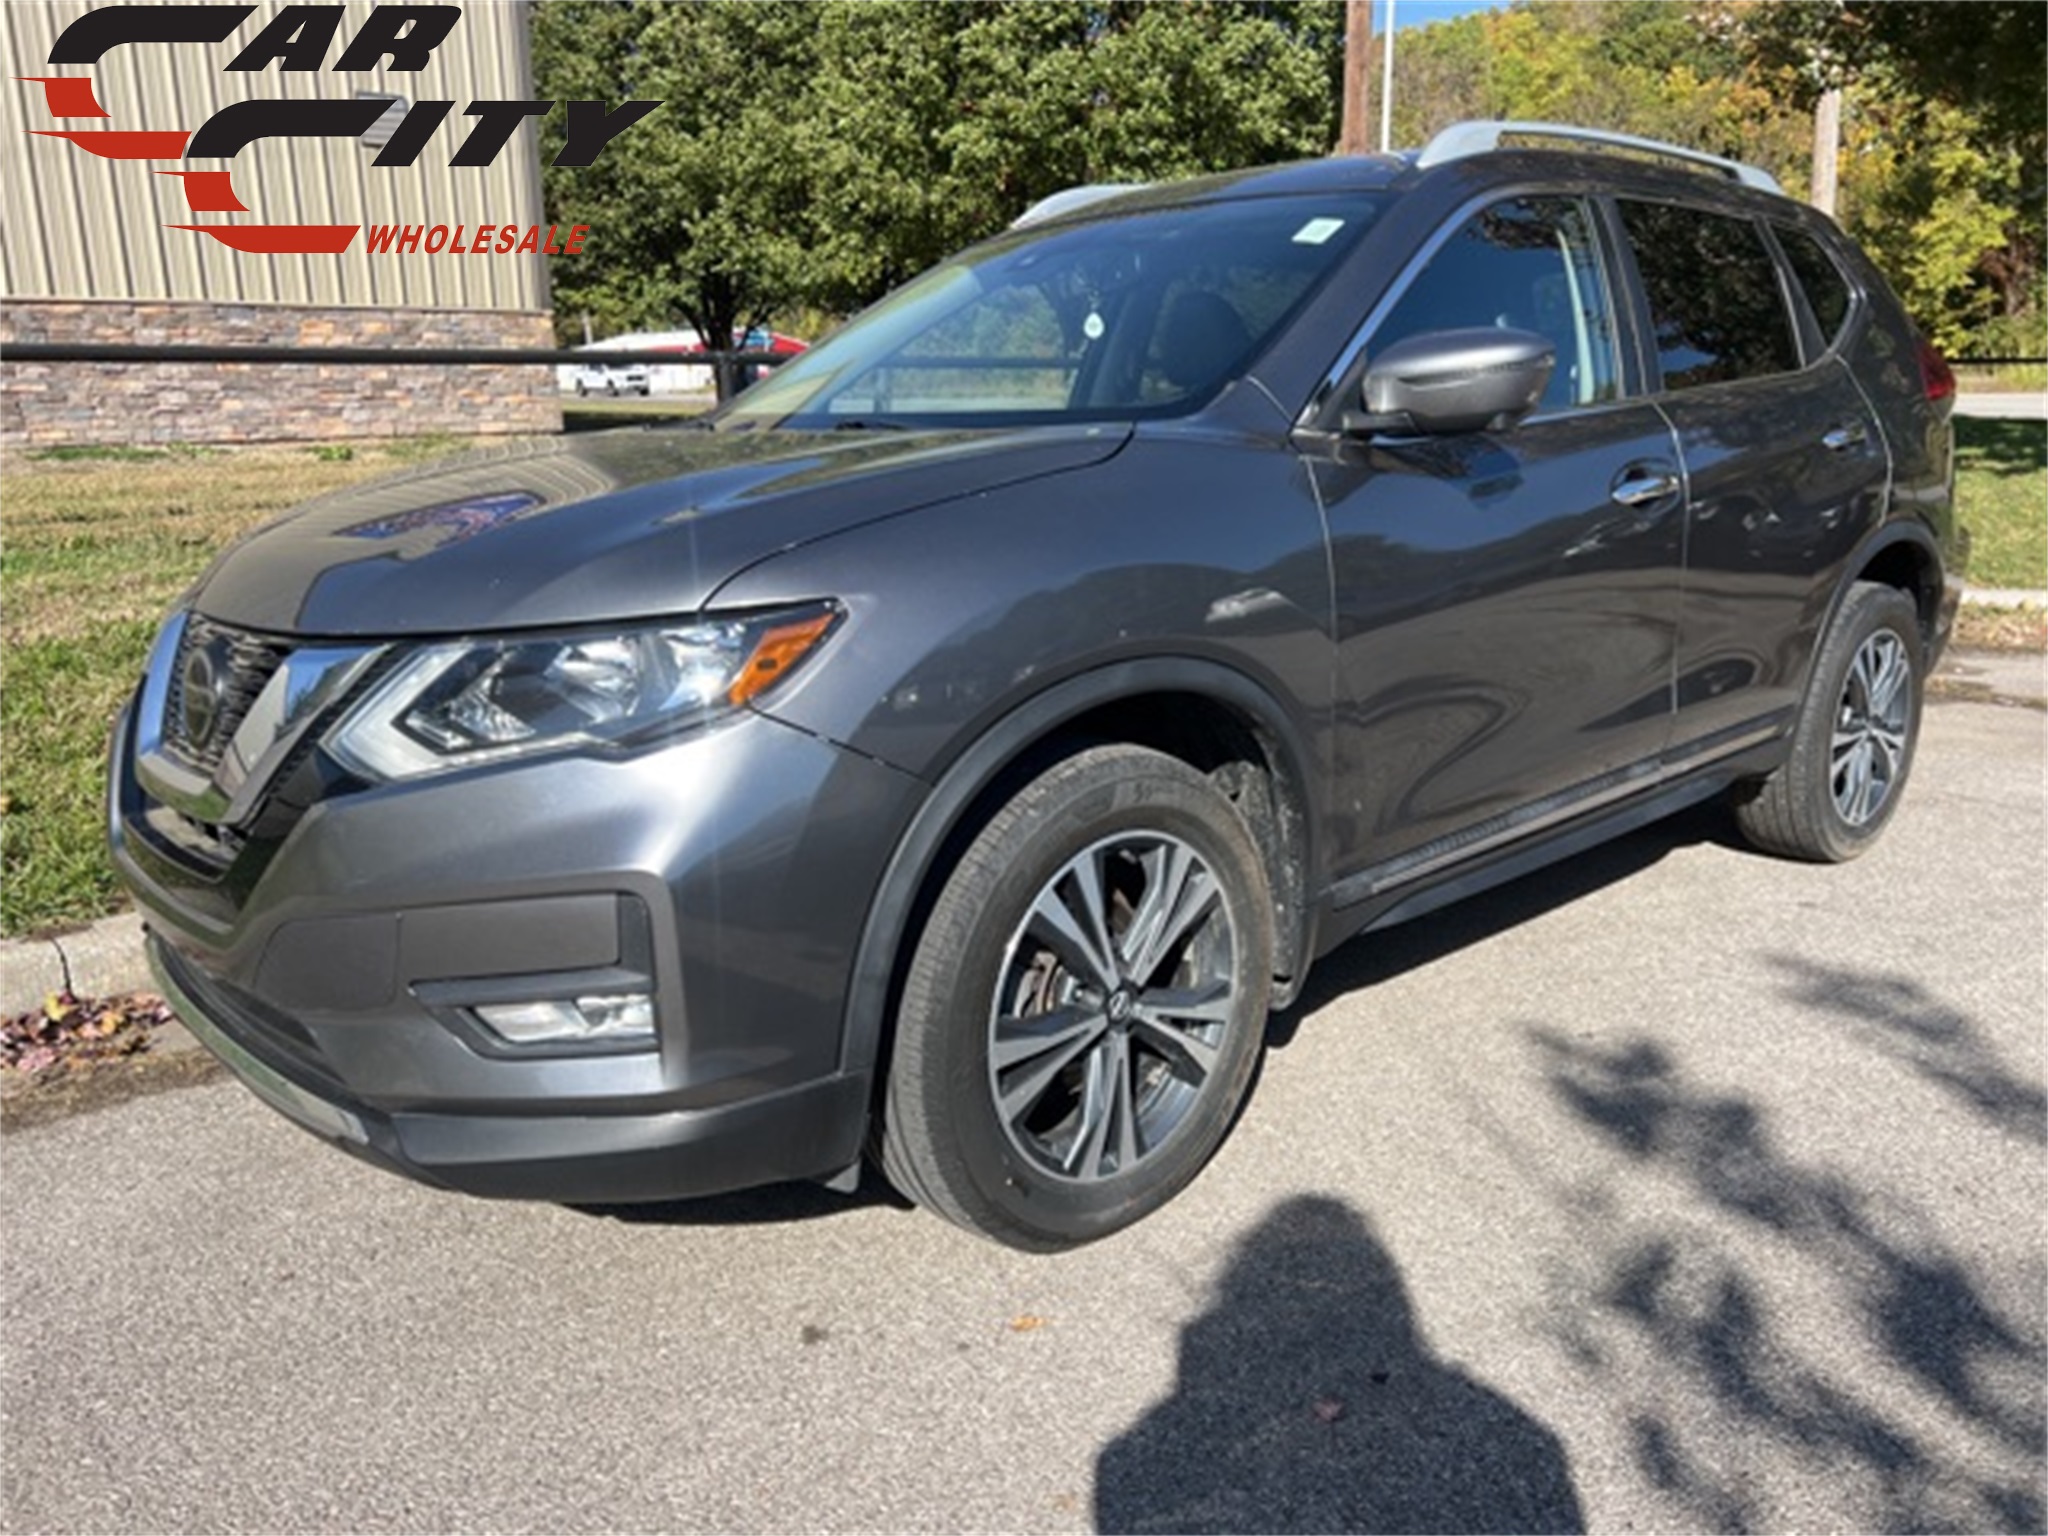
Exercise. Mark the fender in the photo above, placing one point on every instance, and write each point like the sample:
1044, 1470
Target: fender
974, 770
1897, 532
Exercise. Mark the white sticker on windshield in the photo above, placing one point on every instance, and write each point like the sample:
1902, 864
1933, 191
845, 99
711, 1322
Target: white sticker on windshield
1092, 327
1316, 231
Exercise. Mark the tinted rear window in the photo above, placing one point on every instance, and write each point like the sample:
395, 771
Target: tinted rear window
1715, 304
1827, 292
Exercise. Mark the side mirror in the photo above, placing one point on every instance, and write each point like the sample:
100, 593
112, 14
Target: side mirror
1454, 381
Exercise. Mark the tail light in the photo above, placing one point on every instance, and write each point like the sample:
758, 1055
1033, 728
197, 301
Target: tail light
1935, 375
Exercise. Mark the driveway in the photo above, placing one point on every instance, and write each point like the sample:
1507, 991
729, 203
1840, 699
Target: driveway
1676, 1188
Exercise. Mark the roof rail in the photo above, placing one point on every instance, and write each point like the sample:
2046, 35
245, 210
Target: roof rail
1072, 200
1463, 139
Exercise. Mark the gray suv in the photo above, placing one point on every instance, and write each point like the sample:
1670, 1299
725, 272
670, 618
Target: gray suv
951, 751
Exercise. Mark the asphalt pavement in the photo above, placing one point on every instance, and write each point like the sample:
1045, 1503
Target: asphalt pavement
1677, 1188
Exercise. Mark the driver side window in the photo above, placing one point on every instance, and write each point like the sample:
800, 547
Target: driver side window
1531, 264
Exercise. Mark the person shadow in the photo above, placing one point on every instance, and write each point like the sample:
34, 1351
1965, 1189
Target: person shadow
1307, 1401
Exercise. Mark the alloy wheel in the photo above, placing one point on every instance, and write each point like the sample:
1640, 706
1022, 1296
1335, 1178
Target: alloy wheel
1111, 1006
1867, 753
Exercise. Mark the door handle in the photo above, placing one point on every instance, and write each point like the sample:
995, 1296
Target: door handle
1641, 484
1850, 435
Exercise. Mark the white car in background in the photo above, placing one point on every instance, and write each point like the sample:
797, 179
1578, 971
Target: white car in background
600, 378
677, 378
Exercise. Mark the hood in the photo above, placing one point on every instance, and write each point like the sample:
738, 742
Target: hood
599, 527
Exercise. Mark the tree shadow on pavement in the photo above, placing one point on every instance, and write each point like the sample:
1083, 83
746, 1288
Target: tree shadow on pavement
1940, 1044
1926, 1409
1307, 1400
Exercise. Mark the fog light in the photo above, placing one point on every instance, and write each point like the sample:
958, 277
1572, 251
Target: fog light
626, 1016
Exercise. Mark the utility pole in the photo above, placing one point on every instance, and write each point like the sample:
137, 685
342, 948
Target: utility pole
1827, 148
1353, 132
1387, 84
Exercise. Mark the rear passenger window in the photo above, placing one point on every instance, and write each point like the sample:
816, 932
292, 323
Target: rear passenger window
1827, 291
1529, 264
1715, 304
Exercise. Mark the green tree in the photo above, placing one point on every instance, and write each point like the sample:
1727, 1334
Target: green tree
818, 154
1935, 208
1988, 58
699, 214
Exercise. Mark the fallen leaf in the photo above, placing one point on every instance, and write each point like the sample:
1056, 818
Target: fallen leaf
1328, 1409
1027, 1323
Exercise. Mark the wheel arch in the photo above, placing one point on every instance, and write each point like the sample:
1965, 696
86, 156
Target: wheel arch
1215, 718
1901, 554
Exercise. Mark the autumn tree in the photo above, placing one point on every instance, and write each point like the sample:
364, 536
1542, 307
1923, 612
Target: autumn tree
1946, 148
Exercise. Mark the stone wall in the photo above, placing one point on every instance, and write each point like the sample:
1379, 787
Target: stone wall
48, 405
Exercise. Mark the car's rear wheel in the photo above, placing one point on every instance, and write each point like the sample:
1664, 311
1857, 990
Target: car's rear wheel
1852, 747
1081, 1015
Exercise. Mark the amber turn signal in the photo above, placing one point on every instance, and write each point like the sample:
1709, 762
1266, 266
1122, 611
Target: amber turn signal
776, 653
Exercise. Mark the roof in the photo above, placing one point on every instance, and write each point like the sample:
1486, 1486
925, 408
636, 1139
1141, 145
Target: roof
1471, 144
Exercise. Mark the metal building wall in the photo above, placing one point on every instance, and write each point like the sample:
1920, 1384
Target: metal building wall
75, 226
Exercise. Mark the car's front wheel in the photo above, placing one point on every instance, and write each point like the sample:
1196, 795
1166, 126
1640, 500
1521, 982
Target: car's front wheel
1852, 746
1081, 1015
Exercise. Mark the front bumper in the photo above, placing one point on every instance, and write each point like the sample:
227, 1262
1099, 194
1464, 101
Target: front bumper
728, 874
797, 1133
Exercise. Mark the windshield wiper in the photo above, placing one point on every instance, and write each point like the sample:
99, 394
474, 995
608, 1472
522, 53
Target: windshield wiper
869, 424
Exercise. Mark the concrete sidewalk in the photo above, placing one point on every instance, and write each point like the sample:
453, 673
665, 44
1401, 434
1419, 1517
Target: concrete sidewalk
2003, 405
105, 958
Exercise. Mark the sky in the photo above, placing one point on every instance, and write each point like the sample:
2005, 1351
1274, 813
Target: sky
1419, 13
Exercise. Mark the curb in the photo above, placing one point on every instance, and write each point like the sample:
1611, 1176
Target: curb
97, 961
2004, 597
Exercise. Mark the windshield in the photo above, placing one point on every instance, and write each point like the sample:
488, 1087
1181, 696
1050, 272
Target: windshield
1146, 314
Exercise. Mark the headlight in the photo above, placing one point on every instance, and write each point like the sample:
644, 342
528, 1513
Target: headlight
479, 701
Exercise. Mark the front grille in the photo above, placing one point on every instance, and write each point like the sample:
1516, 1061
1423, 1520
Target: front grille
233, 666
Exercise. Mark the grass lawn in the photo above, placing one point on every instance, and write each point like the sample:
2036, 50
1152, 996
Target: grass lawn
97, 546
2002, 495
599, 412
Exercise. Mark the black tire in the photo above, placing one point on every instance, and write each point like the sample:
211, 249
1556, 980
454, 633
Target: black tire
611, 387
1852, 746
1111, 1113
582, 389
